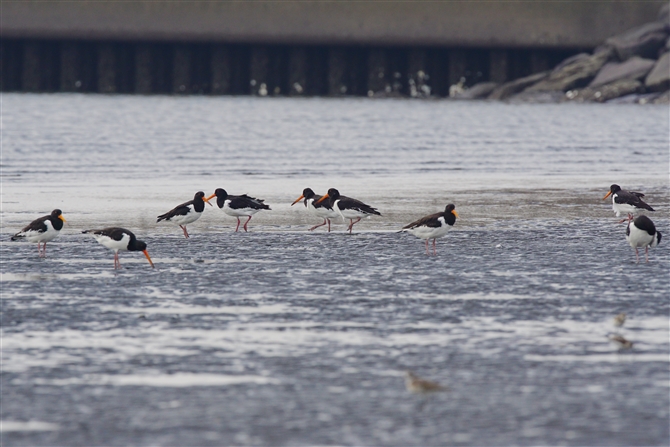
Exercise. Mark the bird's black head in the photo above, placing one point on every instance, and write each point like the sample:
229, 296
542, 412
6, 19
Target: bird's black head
138, 246
449, 208
333, 193
615, 188
221, 193
56, 212
308, 193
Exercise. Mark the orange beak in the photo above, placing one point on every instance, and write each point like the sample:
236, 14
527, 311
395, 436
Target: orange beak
62, 218
454, 213
146, 253
322, 198
609, 193
207, 199
298, 199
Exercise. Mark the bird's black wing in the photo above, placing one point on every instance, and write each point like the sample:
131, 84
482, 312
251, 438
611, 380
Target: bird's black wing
631, 199
115, 233
348, 202
37, 225
427, 221
179, 210
244, 201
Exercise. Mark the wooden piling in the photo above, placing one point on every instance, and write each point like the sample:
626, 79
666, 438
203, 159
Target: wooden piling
499, 66
221, 69
297, 71
259, 68
30, 73
107, 68
181, 74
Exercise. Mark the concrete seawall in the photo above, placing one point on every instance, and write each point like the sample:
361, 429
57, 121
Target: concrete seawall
295, 48
491, 24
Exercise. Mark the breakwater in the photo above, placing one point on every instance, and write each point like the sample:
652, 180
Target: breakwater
367, 49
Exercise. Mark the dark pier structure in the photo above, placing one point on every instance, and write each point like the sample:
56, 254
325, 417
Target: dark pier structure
374, 48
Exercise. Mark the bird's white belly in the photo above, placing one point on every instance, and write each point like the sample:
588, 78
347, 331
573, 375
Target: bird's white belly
322, 212
38, 236
622, 208
639, 238
348, 213
110, 243
424, 232
186, 219
237, 212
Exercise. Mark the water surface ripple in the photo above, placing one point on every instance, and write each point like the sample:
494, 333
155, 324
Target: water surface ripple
280, 336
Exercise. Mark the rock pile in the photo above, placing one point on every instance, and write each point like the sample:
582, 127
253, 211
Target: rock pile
632, 67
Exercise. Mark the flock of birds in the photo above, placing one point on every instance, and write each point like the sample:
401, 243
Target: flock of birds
640, 232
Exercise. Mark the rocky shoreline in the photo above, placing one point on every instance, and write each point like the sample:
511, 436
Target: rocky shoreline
632, 67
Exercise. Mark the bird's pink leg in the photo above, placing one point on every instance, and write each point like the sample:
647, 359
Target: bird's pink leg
39, 250
116, 260
183, 227
328, 225
637, 257
427, 252
317, 226
238, 225
44, 249
434, 251
351, 226
245, 223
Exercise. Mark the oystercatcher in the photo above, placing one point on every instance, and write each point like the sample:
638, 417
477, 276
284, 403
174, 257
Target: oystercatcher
322, 210
42, 230
433, 226
348, 208
116, 239
642, 232
626, 201
187, 212
237, 206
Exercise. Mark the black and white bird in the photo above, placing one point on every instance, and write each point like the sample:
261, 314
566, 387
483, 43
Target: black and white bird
641, 232
322, 210
187, 212
433, 226
119, 239
348, 208
626, 202
238, 206
42, 230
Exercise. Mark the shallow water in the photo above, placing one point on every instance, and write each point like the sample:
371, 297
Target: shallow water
284, 337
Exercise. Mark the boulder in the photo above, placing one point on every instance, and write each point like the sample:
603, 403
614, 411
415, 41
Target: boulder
658, 78
633, 68
643, 41
574, 72
663, 98
605, 92
477, 91
542, 97
508, 89
635, 98
664, 14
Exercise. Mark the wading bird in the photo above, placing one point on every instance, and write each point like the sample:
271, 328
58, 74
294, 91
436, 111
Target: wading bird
626, 201
642, 232
42, 230
433, 226
238, 206
322, 210
187, 212
416, 384
348, 208
119, 239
